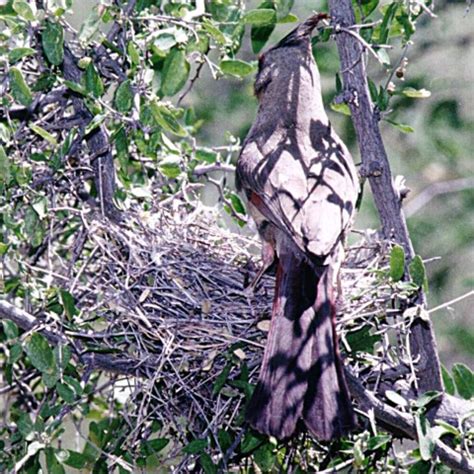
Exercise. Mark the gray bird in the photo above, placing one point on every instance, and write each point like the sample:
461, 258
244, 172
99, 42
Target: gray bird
302, 188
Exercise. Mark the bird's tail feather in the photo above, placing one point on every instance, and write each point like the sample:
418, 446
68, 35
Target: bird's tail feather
301, 374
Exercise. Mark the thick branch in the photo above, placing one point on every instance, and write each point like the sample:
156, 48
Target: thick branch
397, 421
376, 167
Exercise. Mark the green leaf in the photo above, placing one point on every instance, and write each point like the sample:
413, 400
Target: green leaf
376, 442
40, 353
362, 341
425, 437
73, 459
265, 457
397, 263
290, 18
43, 133
171, 166
196, 446
448, 381
386, 22
166, 120
342, 108
207, 155
75, 87
24, 10
260, 16
124, 97
259, 34
383, 56
207, 464
65, 392
16, 54
426, 398
24, 424
368, 6
237, 203
133, 54
464, 380
93, 81
250, 442
52, 462
416, 93
4, 166
175, 72
221, 379
401, 126
283, 8
225, 440
418, 272
19, 88
53, 42
236, 67
214, 31
68, 303
153, 446
10, 329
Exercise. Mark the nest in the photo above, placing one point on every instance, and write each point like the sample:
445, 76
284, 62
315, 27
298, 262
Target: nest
161, 296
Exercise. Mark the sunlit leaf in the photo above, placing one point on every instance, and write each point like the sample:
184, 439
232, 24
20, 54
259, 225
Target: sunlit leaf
175, 72
416, 93
24, 10
401, 126
19, 88
397, 263
16, 54
260, 16
43, 134
53, 42
236, 67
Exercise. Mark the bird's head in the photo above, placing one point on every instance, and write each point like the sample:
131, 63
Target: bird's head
286, 56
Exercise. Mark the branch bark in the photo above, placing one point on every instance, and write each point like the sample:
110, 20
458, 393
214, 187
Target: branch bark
376, 168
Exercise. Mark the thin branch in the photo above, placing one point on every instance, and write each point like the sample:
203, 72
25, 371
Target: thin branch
434, 190
449, 303
205, 169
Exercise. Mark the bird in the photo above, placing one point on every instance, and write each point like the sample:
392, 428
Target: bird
301, 188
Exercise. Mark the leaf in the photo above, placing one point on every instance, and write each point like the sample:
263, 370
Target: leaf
68, 303
171, 166
386, 22
93, 81
250, 442
43, 133
290, 18
383, 56
396, 398
236, 67
206, 155
416, 93
4, 166
124, 97
19, 88
418, 272
207, 464
401, 126
196, 446
73, 459
448, 381
65, 392
52, 462
153, 446
426, 398
40, 206
175, 72
283, 8
260, 16
53, 42
425, 437
397, 263
362, 340
265, 457
342, 108
90, 27
368, 6
16, 54
214, 31
464, 380
166, 120
24, 10
376, 442
10, 329
76, 87
221, 379
40, 353
237, 203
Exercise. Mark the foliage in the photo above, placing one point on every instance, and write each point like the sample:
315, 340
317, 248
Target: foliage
93, 121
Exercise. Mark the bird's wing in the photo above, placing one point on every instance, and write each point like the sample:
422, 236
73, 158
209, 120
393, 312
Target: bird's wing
307, 193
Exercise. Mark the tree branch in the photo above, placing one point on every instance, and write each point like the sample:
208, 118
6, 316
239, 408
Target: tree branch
376, 167
398, 421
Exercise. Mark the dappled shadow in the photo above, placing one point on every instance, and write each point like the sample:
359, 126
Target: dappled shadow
301, 184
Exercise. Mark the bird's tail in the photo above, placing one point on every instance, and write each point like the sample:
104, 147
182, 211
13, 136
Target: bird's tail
301, 374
